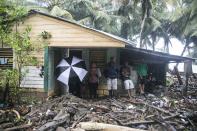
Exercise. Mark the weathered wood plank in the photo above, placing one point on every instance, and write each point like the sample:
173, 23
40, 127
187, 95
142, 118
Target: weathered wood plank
32, 78
65, 34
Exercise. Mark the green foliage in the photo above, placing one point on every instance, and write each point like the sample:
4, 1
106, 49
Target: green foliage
46, 35
56, 11
10, 79
81, 9
22, 46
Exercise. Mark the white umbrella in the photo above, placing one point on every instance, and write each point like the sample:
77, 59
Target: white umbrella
71, 67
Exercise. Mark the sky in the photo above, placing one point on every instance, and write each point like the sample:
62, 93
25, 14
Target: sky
175, 49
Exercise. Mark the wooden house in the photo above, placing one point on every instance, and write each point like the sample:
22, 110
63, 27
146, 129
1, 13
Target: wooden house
73, 39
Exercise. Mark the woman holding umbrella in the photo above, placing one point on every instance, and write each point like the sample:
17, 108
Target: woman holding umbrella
73, 71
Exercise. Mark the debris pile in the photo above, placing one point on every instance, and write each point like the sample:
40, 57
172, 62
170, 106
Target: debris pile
68, 112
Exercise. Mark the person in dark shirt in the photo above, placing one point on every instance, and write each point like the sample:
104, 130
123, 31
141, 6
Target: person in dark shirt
112, 75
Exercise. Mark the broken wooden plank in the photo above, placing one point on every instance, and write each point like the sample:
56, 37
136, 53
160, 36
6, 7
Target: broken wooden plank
103, 126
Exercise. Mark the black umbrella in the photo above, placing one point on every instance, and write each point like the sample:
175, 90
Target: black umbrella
71, 68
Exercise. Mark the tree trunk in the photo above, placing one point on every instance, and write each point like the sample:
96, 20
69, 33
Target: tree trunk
142, 28
6, 92
153, 46
178, 75
186, 86
184, 49
125, 30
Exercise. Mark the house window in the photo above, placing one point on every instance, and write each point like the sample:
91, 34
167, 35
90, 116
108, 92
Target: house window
6, 56
99, 57
3, 61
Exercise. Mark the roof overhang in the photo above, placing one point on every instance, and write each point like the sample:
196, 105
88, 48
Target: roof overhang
158, 56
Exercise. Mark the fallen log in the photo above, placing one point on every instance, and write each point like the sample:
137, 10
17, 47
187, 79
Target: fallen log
104, 127
54, 123
18, 127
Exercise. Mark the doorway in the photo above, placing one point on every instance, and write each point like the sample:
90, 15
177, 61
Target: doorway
76, 53
74, 85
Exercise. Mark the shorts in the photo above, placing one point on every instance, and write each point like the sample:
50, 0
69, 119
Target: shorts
128, 84
112, 84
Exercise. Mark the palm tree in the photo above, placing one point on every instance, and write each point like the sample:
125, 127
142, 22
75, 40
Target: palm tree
184, 27
147, 20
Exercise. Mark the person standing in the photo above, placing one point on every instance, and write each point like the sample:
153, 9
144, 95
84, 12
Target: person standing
134, 76
142, 73
112, 75
93, 80
126, 77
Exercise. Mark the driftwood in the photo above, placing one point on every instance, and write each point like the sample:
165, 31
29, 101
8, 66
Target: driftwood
18, 127
77, 129
143, 122
104, 127
54, 123
166, 125
60, 129
117, 104
6, 125
17, 114
61, 115
14, 111
101, 108
157, 108
70, 112
59, 119
79, 120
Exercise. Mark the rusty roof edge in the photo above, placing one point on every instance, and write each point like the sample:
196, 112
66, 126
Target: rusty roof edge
85, 27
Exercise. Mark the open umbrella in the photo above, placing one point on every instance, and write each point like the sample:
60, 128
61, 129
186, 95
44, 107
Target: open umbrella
71, 68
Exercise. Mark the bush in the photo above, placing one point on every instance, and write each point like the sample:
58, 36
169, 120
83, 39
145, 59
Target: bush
10, 85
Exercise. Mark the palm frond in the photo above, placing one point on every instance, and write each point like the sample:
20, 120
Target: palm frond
57, 11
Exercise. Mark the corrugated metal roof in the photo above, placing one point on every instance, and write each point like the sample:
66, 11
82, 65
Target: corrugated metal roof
159, 54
